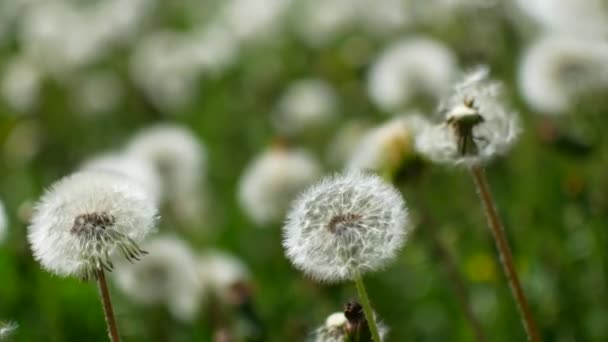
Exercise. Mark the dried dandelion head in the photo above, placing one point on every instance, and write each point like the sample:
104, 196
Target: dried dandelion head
84, 218
345, 225
477, 126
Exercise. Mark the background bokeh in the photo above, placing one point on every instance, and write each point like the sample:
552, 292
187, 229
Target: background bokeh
82, 77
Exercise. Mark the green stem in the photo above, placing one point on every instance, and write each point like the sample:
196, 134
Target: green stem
107, 307
367, 308
504, 251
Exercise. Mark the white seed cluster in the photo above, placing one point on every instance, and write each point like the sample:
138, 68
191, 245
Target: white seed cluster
83, 219
273, 179
345, 225
167, 276
477, 125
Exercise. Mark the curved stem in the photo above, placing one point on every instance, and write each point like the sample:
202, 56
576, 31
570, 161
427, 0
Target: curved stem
504, 251
107, 307
367, 308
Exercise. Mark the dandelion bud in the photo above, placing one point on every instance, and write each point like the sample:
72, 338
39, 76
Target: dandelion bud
84, 218
346, 326
476, 127
344, 226
272, 181
167, 276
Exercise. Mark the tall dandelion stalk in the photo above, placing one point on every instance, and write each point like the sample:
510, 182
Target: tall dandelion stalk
476, 128
82, 220
343, 227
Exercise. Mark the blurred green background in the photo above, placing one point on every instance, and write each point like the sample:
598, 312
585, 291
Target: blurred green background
551, 192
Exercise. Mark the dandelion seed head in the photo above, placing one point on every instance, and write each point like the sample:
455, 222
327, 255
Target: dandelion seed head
272, 181
557, 68
220, 271
21, 84
137, 169
305, 105
387, 146
7, 329
477, 125
177, 154
346, 224
167, 276
84, 218
408, 68
337, 328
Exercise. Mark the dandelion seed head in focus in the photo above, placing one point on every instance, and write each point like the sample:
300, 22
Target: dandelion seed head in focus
306, 104
557, 68
84, 218
273, 179
407, 68
345, 225
167, 276
477, 125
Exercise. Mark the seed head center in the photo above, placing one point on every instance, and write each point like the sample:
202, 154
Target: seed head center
340, 222
87, 223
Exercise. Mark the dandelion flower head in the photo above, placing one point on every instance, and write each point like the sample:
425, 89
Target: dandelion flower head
344, 226
84, 218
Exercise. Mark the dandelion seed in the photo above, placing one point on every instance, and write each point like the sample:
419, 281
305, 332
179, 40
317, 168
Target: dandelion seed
556, 69
344, 226
416, 66
167, 276
476, 128
273, 179
84, 218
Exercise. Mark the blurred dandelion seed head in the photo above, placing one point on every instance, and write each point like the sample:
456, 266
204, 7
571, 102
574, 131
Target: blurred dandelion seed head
477, 125
272, 181
345, 225
84, 218
167, 276
7, 329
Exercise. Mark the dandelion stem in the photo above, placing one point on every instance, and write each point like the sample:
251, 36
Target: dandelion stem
367, 308
506, 258
107, 306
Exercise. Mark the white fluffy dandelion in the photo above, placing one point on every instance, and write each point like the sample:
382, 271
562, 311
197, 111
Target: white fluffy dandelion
167, 276
345, 226
3, 222
177, 154
221, 271
386, 147
337, 328
306, 104
7, 329
84, 218
273, 179
557, 68
477, 125
20, 85
139, 170
415, 66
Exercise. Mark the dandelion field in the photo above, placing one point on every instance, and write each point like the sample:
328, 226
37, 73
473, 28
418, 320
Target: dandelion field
234, 108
